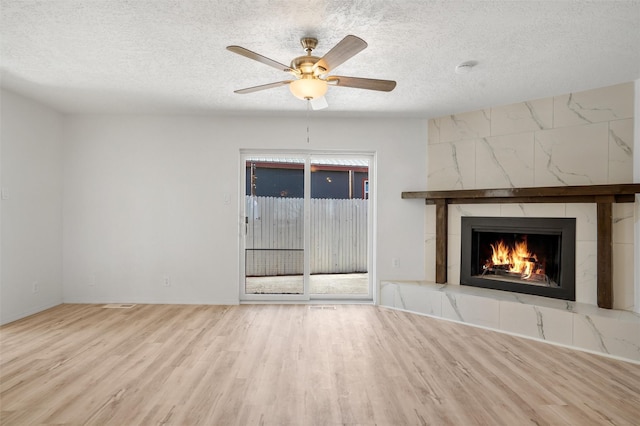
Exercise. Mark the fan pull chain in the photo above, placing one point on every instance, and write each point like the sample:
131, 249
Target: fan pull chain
308, 108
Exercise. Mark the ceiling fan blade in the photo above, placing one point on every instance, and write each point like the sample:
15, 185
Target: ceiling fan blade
258, 57
362, 83
319, 103
262, 87
345, 49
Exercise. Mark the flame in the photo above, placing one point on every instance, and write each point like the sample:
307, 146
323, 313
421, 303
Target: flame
518, 258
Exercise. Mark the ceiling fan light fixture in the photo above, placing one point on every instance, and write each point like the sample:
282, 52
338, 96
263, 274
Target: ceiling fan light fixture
311, 73
308, 88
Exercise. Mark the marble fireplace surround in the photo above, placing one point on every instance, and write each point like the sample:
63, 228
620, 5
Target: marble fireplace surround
603, 195
578, 325
527, 145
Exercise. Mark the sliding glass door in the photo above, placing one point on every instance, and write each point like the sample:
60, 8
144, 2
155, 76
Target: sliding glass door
339, 237
274, 224
307, 226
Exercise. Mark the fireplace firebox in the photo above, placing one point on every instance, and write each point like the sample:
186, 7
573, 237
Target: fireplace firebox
520, 254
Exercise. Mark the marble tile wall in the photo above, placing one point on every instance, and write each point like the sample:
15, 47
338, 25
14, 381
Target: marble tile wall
575, 139
581, 138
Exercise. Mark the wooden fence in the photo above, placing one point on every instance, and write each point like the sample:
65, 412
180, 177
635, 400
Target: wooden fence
275, 236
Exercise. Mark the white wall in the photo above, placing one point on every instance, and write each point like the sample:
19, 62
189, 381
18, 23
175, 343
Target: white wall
144, 199
31, 234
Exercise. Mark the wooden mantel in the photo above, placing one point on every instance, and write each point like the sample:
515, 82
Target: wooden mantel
602, 195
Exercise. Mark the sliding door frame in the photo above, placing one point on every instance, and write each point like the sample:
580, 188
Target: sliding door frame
371, 220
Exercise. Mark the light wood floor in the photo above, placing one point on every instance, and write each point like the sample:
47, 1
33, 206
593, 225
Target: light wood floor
296, 365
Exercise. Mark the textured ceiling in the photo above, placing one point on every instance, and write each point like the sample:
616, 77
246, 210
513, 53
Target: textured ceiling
160, 55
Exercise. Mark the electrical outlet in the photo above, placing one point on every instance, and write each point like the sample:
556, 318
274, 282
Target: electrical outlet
395, 262
36, 287
167, 282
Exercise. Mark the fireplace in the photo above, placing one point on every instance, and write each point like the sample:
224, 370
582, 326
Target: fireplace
520, 254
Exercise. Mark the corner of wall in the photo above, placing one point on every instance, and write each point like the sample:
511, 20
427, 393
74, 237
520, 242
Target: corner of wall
31, 207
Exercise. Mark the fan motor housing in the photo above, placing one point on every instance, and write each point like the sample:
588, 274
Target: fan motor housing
305, 65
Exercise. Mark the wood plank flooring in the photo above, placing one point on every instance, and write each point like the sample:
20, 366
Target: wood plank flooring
296, 365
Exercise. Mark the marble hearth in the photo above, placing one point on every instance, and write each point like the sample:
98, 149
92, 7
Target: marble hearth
582, 326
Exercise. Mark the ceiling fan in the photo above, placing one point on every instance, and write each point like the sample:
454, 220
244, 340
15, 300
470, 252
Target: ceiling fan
312, 73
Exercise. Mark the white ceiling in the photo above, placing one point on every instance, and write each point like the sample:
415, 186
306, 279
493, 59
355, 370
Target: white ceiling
159, 55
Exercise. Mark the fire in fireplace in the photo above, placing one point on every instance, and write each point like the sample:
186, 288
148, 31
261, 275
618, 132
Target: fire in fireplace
512, 259
524, 255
